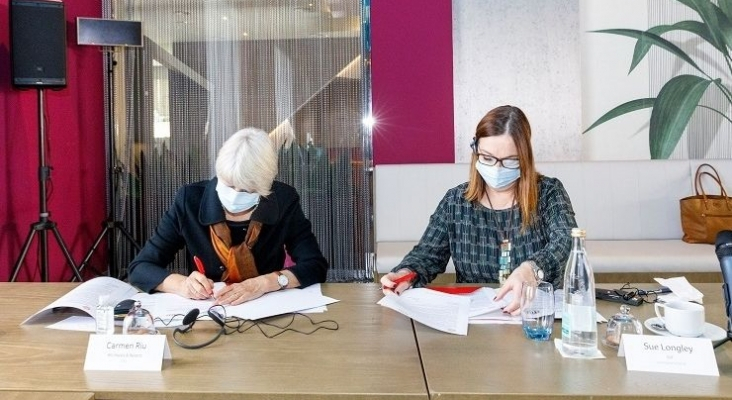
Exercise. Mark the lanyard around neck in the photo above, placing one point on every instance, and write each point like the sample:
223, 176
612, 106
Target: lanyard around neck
505, 231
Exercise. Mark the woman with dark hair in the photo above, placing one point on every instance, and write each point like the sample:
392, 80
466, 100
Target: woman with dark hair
505, 206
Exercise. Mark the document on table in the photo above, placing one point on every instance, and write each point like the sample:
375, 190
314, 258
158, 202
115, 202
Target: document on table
485, 310
441, 311
169, 309
86, 296
450, 313
166, 305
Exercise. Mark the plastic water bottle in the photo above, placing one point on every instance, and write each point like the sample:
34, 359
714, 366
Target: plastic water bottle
504, 262
579, 324
104, 316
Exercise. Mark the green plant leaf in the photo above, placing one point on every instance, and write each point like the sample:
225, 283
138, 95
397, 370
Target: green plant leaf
726, 7
633, 105
653, 39
716, 112
642, 46
717, 22
672, 111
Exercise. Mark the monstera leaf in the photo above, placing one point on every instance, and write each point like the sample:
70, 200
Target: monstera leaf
680, 97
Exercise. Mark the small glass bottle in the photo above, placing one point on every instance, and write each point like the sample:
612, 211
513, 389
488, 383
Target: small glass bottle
104, 316
504, 262
139, 321
579, 321
620, 324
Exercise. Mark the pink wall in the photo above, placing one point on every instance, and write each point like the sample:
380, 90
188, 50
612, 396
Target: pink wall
411, 68
412, 101
75, 137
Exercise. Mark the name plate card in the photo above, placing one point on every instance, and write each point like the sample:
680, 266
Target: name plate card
676, 355
126, 352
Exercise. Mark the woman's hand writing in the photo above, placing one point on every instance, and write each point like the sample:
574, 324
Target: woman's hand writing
398, 282
194, 286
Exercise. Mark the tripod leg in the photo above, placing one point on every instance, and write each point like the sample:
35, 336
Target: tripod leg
129, 237
91, 251
23, 253
65, 250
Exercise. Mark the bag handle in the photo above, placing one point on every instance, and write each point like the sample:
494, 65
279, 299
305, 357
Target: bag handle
716, 179
699, 187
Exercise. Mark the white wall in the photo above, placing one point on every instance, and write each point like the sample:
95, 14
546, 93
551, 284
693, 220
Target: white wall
543, 57
605, 81
524, 53
540, 57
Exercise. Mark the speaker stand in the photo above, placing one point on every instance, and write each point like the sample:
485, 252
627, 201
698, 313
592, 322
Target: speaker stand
44, 223
111, 224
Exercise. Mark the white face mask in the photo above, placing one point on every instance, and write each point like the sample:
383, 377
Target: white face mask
236, 202
496, 176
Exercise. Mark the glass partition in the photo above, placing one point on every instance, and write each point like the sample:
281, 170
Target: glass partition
295, 68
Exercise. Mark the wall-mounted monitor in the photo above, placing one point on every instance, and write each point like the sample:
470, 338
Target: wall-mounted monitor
108, 32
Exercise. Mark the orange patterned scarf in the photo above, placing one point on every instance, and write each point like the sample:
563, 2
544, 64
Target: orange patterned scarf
238, 260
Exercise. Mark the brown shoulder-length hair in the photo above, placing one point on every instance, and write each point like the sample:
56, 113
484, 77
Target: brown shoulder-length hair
508, 120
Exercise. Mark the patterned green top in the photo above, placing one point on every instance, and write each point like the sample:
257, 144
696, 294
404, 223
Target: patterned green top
471, 234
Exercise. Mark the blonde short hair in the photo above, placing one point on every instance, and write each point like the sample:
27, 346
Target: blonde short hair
248, 161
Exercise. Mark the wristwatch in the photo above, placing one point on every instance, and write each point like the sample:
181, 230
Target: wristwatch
538, 272
282, 280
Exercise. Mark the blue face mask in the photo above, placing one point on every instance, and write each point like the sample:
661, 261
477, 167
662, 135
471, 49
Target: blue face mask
496, 176
236, 202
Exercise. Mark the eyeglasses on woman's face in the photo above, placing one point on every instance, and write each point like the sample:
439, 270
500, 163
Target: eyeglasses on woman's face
511, 162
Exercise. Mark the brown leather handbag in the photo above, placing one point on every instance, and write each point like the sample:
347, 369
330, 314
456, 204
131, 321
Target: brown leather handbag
704, 215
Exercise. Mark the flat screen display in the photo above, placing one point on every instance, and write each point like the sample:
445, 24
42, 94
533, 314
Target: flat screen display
108, 32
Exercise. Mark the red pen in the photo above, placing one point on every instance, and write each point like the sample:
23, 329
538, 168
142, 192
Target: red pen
404, 278
199, 265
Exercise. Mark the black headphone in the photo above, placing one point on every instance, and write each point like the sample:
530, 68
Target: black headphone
190, 319
474, 144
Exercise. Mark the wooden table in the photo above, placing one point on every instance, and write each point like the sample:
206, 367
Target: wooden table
499, 362
373, 354
45, 396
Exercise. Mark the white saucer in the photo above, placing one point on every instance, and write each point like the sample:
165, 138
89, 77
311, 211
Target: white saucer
712, 332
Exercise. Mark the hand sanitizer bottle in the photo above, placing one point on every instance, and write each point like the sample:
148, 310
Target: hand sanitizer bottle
104, 317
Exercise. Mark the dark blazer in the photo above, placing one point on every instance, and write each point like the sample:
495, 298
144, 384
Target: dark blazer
197, 206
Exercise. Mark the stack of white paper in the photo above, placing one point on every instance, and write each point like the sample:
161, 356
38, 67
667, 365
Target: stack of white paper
169, 309
450, 313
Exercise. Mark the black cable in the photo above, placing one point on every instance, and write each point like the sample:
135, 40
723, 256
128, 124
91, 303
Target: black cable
628, 292
231, 325
166, 322
286, 328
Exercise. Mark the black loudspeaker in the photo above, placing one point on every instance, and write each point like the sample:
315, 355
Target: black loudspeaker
38, 42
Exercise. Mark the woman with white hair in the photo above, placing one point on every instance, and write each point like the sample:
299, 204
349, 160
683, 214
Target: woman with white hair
236, 228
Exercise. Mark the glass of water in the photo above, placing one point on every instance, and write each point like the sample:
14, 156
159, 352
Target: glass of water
537, 310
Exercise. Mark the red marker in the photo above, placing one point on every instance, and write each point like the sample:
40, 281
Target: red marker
404, 278
199, 265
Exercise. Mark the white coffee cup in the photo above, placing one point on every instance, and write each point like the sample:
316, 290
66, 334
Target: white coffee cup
682, 318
